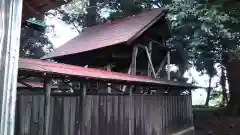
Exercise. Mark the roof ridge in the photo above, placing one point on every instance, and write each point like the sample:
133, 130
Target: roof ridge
124, 18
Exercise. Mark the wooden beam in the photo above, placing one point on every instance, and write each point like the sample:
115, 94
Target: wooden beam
150, 54
150, 62
115, 55
23, 78
154, 41
47, 105
161, 65
25, 84
141, 46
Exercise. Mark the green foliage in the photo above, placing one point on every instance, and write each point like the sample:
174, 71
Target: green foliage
34, 44
202, 31
208, 32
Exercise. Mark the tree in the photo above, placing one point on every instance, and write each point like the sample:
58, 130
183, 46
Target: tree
209, 32
33, 43
80, 14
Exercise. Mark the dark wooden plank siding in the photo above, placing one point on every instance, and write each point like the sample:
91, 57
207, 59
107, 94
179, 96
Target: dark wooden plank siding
104, 115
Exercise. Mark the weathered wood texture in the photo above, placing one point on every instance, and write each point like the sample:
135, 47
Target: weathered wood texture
105, 115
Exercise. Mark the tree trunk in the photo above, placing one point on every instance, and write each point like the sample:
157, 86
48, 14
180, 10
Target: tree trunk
208, 91
91, 18
232, 65
223, 85
233, 80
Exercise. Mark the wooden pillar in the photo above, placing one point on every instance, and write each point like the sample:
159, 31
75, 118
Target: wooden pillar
83, 98
133, 71
132, 67
84, 90
109, 84
11, 16
168, 62
47, 105
18, 129
134, 60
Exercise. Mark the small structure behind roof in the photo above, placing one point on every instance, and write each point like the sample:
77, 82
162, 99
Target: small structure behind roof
133, 45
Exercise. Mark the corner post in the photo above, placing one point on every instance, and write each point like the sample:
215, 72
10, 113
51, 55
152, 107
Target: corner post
10, 27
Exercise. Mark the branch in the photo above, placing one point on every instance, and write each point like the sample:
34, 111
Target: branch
76, 27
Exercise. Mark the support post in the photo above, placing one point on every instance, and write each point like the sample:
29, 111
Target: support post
84, 93
168, 62
133, 65
10, 26
133, 71
47, 105
84, 90
109, 69
134, 60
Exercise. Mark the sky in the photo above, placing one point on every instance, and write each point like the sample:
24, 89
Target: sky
64, 32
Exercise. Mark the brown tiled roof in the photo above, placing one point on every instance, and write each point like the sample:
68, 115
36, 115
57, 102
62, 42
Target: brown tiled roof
121, 31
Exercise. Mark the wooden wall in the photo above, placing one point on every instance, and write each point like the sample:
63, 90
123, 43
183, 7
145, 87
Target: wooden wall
104, 115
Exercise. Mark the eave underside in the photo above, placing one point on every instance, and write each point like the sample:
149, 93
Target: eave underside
37, 8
